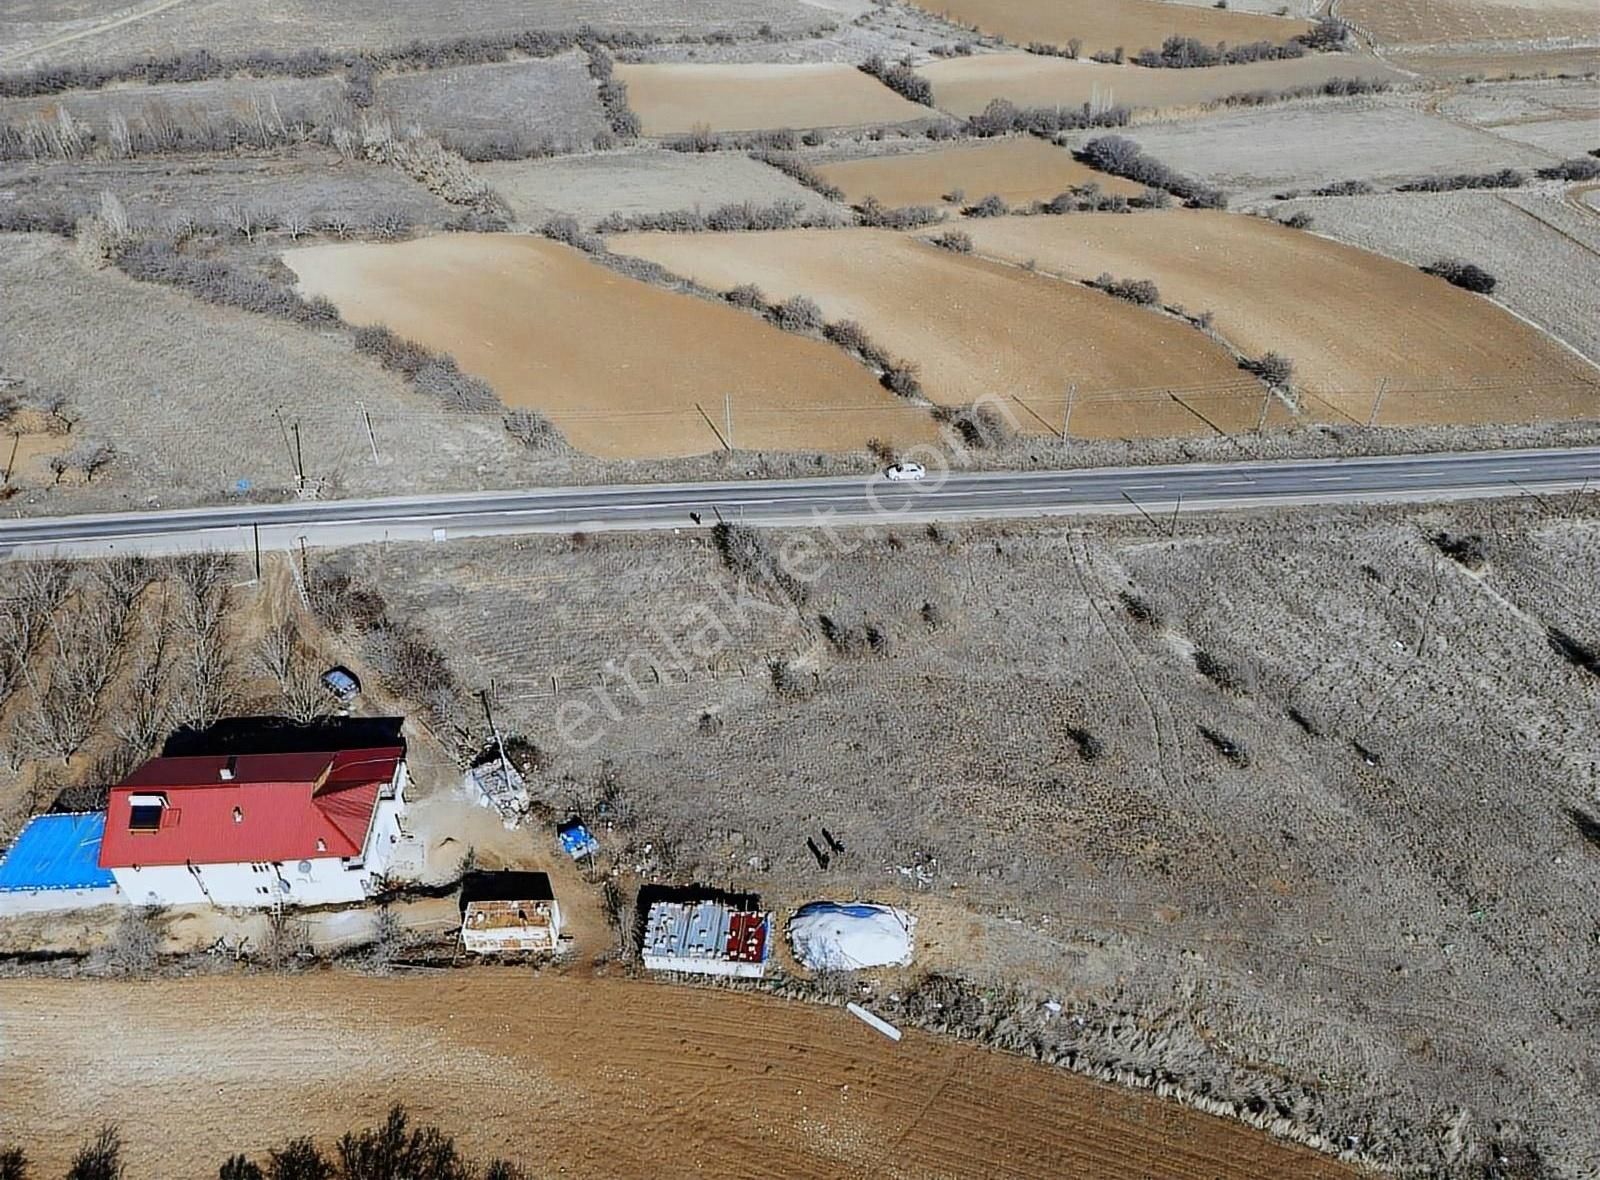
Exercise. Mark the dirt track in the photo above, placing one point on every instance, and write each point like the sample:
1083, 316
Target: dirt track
589, 1078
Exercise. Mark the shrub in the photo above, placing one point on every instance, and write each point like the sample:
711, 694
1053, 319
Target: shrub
957, 241
1001, 117
1140, 291
850, 335
977, 426
1090, 747
443, 379
1505, 178
1188, 52
13, 1164
1299, 219
1273, 368
533, 430
1464, 549
567, 231
1466, 275
901, 379
158, 261
798, 313
1343, 188
1232, 749
991, 206
748, 296
99, 1159
798, 170
239, 1167
873, 212
1576, 168
299, 1159
1123, 157
1325, 36
1225, 676
900, 78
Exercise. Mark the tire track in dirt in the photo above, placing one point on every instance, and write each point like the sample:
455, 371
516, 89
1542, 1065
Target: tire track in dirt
103, 27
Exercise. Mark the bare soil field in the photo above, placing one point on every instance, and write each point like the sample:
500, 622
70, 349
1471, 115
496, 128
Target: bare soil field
1305, 147
1224, 904
54, 31
634, 1074
1496, 104
1434, 23
1544, 255
194, 405
1491, 63
977, 328
309, 181
965, 85
1348, 319
623, 368
674, 99
1132, 24
591, 187
549, 102
1020, 169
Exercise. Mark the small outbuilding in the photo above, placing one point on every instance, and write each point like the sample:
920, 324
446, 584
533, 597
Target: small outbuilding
829, 936
509, 912
707, 938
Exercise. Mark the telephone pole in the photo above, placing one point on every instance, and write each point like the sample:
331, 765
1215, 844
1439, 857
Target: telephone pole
1377, 402
1066, 413
727, 417
299, 460
372, 438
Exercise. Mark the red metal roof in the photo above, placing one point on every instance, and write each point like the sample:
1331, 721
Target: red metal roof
276, 807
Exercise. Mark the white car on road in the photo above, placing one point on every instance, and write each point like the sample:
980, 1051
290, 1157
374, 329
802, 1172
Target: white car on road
904, 471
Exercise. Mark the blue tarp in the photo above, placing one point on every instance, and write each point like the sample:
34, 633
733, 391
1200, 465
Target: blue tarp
577, 839
57, 852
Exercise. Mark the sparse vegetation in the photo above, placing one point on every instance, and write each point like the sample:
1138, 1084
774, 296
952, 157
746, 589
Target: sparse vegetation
956, 241
1273, 368
1123, 157
872, 212
900, 78
1140, 291
1181, 53
1002, 117
1576, 168
1504, 178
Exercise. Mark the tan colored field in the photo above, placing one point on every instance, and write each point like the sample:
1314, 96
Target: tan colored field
620, 366
965, 85
978, 328
1019, 169
1467, 22
581, 1077
674, 98
1348, 319
1106, 24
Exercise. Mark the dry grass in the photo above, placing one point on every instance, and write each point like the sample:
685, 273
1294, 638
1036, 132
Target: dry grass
977, 328
1308, 146
618, 365
547, 103
594, 186
1131, 24
1434, 23
965, 85
1544, 254
196, 406
69, 33
1096, 881
675, 99
1348, 319
1019, 169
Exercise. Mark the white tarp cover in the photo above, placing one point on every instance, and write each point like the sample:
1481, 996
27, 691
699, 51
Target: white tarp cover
828, 936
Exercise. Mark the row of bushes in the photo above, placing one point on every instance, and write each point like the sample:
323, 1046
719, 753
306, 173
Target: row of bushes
1123, 157
1332, 88
1181, 53
900, 78
613, 91
1466, 275
158, 260
1504, 178
62, 136
1002, 117
435, 374
742, 215
1576, 168
800, 171
1141, 291
874, 213
801, 314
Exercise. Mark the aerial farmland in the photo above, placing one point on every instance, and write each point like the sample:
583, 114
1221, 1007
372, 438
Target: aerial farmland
979, 588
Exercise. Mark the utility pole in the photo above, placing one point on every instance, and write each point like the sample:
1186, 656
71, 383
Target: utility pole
727, 416
1266, 404
1066, 413
299, 460
16, 440
255, 529
372, 437
1377, 402
499, 745
1172, 527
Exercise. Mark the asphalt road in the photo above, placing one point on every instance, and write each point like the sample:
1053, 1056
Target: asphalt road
1157, 491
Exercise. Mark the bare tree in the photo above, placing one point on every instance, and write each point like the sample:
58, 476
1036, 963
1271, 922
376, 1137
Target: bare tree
119, 136
204, 694
284, 655
145, 709
82, 646
113, 215
296, 224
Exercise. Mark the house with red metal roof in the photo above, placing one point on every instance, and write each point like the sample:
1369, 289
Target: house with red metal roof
257, 829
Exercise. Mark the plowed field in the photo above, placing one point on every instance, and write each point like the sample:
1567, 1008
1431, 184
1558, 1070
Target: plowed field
1348, 319
965, 85
623, 368
677, 97
978, 328
572, 1077
1099, 24
1020, 169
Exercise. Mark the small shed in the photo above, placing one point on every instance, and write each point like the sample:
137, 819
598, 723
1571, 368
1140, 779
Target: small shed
509, 912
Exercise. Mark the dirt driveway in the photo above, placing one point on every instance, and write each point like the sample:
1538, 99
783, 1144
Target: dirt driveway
578, 1077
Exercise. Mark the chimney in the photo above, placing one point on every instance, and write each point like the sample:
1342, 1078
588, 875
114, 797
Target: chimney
226, 772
